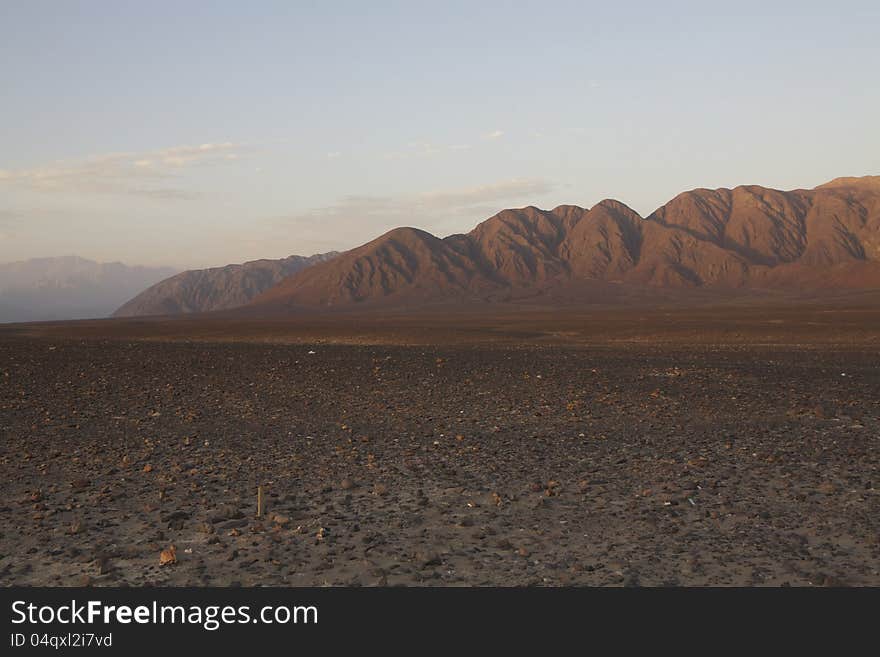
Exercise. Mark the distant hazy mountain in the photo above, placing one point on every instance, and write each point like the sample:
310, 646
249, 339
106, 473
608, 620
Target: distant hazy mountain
750, 237
69, 287
219, 288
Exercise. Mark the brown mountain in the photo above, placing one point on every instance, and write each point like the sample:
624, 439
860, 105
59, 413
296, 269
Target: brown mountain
218, 288
747, 237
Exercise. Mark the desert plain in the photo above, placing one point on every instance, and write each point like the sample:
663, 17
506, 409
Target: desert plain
709, 444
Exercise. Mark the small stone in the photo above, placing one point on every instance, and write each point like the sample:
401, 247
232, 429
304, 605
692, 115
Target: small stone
168, 556
428, 558
280, 519
148, 468
175, 515
825, 411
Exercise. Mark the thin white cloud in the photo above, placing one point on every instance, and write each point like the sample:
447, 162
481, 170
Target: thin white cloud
469, 196
131, 173
357, 219
418, 149
422, 149
354, 220
424, 209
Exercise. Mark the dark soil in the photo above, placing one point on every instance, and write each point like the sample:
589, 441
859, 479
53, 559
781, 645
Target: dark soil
437, 465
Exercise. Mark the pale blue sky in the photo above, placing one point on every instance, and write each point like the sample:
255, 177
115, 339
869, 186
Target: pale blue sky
197, 133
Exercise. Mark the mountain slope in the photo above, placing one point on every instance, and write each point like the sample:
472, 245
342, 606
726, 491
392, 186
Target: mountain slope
69, 287
218, 288
746, 237
403, 263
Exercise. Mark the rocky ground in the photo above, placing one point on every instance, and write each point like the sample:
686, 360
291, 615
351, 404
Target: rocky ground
437, 465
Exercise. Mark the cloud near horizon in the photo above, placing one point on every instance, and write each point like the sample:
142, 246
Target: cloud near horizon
143, 174
8, 222
363, 217
357, 219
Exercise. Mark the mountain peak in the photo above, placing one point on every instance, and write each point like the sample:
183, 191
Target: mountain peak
405, 235
748, 236
867, 182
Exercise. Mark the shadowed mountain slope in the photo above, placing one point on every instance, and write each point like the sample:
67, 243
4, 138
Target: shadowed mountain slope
218, 288
746, 237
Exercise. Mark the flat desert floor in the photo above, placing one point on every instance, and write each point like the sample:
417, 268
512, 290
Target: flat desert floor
725, 446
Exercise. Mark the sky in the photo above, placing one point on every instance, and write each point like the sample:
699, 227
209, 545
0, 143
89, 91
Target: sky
196, 134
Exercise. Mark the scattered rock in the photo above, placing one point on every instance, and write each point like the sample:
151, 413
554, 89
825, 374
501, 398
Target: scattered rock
426, 559
168, 556
175, 515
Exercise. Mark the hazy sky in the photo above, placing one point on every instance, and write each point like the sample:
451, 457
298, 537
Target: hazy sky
202, 133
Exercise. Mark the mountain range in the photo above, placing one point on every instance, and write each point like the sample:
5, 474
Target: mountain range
218, 288
749, 237
69, 287
717, 240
